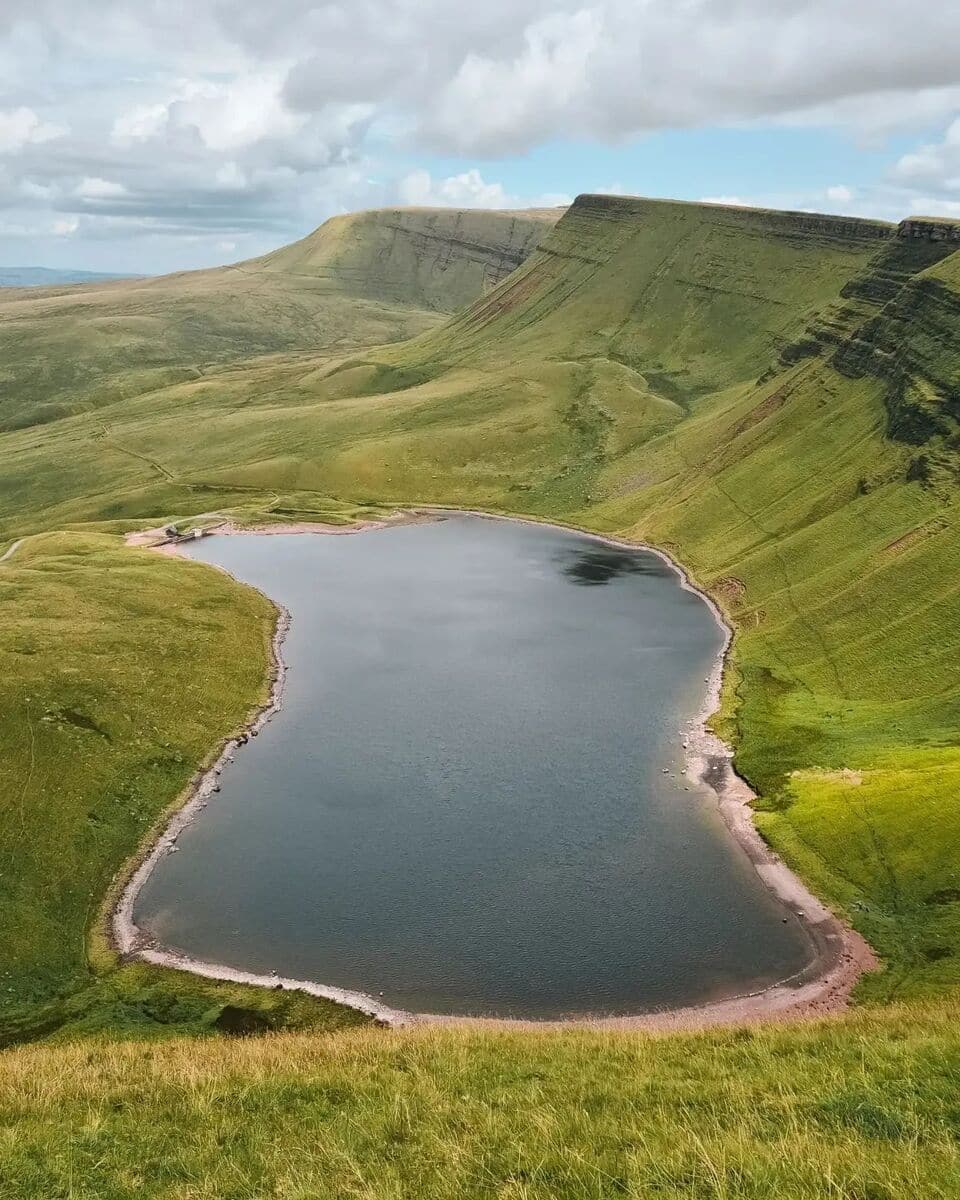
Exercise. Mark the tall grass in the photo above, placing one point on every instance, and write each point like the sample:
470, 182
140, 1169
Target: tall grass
863, 1108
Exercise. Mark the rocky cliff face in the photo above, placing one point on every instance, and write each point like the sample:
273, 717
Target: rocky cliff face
896, 261
913, 346
898, 320
929, 229
440, 259
693, 297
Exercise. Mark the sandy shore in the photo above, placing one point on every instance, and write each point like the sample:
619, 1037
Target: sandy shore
839, 955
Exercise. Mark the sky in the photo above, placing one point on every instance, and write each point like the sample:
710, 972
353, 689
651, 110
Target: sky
156, 135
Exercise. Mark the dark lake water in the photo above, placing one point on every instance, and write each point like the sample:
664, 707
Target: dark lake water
462, 802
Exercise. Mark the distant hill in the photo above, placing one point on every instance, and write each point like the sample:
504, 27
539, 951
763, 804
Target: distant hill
358, 280
48, 277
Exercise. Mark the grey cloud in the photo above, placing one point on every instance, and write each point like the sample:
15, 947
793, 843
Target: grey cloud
240, 115
337, 76
504, 74
188, 209
620, 68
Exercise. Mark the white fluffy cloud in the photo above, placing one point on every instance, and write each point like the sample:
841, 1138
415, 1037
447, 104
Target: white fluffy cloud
492, 103
935, 165
504, 74
221, 116
242, 122
92, 187
467, 190
620, 67
21, 127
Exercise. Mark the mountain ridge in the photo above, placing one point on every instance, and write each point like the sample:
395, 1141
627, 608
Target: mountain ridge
639, 375
71, 349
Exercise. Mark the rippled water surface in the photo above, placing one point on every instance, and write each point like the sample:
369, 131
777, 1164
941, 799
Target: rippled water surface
463, 803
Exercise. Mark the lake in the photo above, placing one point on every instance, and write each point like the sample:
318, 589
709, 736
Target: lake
472, 800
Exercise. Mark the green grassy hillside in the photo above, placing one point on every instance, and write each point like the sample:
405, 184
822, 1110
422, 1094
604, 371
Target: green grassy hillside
627, 313
865, 1110
438, 258
692, 296
357, 280
775, 399
739, 386
107, 706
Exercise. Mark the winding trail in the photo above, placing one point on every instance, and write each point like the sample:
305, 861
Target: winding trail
8, 553
105, 436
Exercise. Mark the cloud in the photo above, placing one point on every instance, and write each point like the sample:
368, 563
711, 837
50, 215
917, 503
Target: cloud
231, 176
249, 123
501, 76
934, 165
735, 201
492, 105
334, 75
221, 116
468, 190
21, 127
140, 124
36, 191
612, 69
888, 199
95, 188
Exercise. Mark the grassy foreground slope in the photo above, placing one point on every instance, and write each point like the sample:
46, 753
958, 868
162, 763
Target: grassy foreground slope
863, 1110
357, 280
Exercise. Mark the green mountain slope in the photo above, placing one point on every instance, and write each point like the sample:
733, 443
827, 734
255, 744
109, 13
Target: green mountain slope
773, 397
695, 295
628, 311
439, 259
358, 279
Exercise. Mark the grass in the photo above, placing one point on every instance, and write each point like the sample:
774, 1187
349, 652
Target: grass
105, 711
771, 397
359, 280
867, 1108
